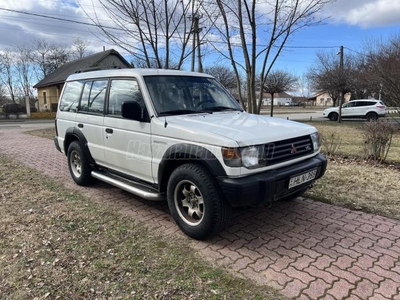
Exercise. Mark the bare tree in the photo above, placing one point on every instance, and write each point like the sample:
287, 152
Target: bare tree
8, 73
48, 56
278, 82
327, 75
383, 65
255, 33
223, 74
24, 69
79, 48
155, 32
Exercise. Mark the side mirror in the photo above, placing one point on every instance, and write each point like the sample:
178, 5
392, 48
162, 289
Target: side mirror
131, 110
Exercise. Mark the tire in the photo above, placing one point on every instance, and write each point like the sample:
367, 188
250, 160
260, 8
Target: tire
372, 116
293, 196
78, 165
333, 116
195, 202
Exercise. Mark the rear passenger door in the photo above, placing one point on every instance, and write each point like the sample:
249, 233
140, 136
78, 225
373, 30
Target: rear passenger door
127, 142
89, 119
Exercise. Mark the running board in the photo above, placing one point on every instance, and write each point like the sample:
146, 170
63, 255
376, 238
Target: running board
131, 187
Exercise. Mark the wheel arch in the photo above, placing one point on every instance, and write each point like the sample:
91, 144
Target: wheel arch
180, 154
74, 134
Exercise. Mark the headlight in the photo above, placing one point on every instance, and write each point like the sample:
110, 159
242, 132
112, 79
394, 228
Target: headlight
248, 157
316, 141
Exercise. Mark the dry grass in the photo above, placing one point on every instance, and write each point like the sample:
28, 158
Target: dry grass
56, 244
360, 186
47, 133
351, 135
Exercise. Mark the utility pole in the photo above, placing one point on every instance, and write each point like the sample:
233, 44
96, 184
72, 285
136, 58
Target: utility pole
196, 38
341, 79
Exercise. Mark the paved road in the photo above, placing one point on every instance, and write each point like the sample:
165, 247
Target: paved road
305, 249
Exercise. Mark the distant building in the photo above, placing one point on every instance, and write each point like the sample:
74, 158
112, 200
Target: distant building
324, 99
279, 99
50, 87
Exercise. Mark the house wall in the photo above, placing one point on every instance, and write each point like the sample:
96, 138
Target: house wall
277, 101
326, 100
52, 96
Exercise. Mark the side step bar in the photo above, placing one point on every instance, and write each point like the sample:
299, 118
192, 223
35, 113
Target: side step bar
133, 188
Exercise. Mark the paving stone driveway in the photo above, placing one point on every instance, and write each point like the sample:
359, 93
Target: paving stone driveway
305, 249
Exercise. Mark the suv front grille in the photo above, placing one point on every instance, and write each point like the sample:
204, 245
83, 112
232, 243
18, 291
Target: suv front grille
281, 151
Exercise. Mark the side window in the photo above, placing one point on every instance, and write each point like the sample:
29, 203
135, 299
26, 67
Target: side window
93, 96
122, 90
71, 95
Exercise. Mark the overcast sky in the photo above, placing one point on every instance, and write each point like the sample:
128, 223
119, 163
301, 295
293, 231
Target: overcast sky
351, 24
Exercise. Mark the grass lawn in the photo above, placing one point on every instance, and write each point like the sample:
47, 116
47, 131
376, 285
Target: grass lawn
351, 181
56, 244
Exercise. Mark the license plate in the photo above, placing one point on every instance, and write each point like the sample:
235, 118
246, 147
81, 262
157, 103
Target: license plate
303, 178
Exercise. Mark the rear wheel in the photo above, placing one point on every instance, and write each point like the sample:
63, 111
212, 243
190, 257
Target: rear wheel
78, 165
195, 201
372, 116
333, 116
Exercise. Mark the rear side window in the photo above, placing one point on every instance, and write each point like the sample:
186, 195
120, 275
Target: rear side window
93, 96
71, 95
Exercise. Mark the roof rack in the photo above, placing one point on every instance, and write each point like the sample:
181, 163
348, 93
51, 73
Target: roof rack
98, 69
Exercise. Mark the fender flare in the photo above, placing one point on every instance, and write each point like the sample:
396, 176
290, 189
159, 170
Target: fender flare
185, 153
72, 134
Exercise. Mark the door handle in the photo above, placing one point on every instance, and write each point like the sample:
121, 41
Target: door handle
80, 125
109, 130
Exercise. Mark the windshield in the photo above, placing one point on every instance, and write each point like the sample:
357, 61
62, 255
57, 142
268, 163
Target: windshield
174, 95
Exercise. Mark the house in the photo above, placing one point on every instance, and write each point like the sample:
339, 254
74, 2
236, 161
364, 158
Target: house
279, 99
50, 87
325, 99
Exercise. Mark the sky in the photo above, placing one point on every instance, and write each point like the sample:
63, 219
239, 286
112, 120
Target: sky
351, 23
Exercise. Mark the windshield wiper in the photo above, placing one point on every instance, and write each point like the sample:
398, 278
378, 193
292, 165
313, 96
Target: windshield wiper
221, 108
180, 112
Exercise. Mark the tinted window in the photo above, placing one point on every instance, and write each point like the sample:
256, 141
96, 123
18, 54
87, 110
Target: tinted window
365, 103
71, 95
349, 104
122, 90
93, 96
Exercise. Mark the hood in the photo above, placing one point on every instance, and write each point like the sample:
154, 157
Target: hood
246, 129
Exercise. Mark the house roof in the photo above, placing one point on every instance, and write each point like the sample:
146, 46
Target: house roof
61, 74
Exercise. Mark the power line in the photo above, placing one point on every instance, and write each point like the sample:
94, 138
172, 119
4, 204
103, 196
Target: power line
120, 29
58, 19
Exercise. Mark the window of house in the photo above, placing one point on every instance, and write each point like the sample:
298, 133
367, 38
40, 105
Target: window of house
44, 98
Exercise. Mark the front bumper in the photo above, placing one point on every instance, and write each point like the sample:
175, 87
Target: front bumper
263, 188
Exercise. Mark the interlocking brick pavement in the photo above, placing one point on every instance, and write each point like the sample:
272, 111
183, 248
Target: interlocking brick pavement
305, 249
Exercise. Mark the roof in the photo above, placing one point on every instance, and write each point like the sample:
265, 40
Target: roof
61, 74
134, 72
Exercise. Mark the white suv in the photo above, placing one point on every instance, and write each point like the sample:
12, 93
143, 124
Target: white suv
180, 136
363, 108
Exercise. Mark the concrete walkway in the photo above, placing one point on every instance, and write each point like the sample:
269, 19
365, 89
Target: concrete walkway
305, 249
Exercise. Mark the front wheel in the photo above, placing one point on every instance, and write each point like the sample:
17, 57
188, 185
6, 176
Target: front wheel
195, 202
78, 165
333, 116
